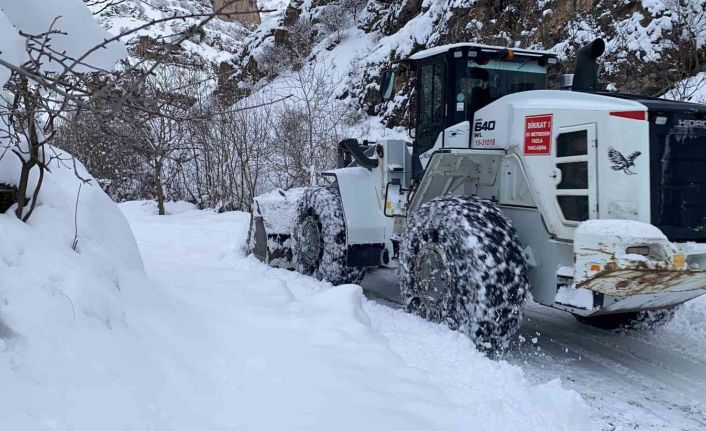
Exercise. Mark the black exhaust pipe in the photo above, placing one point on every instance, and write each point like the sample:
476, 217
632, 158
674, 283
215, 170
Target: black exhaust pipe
586, 73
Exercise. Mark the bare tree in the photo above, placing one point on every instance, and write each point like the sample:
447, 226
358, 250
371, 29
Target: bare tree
156, 121
230, 154
353, 7
308, 127
41, 99
680, 73
334, 18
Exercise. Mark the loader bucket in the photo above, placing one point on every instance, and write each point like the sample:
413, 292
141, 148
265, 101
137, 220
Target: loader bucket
271, 223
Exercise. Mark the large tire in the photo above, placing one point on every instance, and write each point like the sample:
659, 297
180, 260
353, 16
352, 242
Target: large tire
319, 238
462, 264
633, 321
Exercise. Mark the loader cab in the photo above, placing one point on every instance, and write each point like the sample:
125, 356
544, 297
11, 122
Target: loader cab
454, 81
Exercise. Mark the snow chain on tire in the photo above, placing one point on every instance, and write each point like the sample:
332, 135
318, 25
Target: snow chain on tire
461, 263
320, 213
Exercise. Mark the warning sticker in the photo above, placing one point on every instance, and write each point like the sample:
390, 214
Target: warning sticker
538, 135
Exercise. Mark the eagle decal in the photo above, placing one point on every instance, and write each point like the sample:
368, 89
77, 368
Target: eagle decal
620, 162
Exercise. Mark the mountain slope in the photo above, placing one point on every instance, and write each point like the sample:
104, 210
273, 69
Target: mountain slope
216, 43
651, 44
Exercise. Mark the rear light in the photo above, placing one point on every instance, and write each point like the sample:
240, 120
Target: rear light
633, 115
642, 250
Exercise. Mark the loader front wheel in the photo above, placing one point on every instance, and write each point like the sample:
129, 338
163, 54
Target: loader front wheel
462, 264
319, 236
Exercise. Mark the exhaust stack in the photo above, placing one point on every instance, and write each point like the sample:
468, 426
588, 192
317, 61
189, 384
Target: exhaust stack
586, 73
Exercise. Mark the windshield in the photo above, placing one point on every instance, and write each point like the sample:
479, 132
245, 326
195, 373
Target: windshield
478, 85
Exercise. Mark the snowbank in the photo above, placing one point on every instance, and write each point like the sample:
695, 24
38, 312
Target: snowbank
76, 35
64, 313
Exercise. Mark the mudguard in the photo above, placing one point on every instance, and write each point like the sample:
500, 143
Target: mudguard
362, 195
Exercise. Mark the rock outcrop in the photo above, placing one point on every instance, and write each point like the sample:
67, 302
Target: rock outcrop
243, 11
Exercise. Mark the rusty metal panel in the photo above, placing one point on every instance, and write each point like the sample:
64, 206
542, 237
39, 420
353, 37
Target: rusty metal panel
628, 282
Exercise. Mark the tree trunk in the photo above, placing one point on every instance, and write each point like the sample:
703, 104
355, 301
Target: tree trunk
21, 196
158, 186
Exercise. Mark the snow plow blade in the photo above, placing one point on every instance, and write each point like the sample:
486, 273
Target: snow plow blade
636, 267
647, 290
271, 222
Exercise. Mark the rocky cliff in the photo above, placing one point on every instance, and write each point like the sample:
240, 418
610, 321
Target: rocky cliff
652, 45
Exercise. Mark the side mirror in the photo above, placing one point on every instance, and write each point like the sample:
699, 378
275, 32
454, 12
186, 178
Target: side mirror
387, 84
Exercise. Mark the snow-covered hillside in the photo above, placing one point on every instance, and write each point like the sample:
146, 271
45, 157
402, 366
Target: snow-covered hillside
651, 44
274, 9
216, 43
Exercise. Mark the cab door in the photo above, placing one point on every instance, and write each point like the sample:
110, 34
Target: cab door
431, 107
575, 175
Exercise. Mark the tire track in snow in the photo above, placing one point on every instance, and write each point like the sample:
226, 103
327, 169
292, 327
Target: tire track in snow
615, 373
647, 360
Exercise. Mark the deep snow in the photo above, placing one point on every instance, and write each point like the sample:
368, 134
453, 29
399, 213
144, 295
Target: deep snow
68, 345
215, 340
285, 351
647, 381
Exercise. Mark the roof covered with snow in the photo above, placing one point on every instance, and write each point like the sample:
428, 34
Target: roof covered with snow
445, 48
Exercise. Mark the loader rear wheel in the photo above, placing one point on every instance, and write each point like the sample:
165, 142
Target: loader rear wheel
462, 264
320, 238
634, 321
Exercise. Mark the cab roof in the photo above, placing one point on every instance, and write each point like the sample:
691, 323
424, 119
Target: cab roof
421, 55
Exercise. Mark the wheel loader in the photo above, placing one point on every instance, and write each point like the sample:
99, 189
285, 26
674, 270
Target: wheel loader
593, 202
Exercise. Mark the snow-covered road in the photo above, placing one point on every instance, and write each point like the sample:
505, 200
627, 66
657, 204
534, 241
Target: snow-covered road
282, 351
639, 381
630, 381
